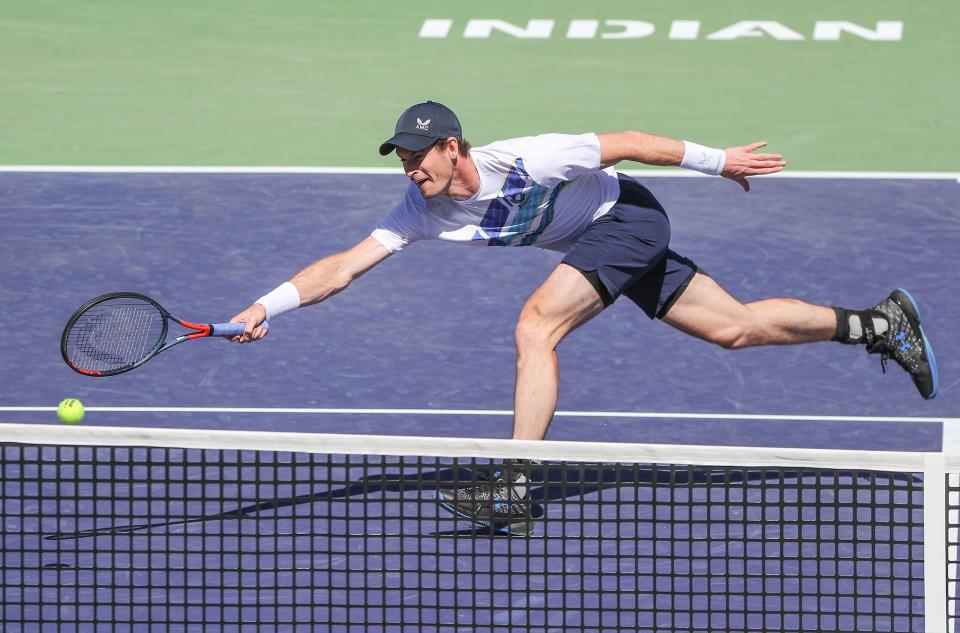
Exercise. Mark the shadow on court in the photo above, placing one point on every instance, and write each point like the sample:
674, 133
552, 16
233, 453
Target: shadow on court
550, 486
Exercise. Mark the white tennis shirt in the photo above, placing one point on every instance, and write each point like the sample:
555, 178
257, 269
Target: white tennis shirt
539, 191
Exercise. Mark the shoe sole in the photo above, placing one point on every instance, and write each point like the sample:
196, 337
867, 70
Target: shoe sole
931, 359
487, 524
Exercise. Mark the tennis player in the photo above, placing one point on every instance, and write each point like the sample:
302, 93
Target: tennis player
561, 192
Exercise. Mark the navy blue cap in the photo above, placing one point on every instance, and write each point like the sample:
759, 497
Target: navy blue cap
421, 126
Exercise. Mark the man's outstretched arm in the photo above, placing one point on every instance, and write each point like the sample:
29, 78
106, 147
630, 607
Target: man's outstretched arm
735, 163
317, 282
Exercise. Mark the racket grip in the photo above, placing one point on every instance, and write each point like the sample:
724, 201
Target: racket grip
231, 329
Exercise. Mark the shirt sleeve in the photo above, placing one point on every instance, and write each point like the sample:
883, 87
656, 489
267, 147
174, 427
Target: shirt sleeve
554, 158
404, 223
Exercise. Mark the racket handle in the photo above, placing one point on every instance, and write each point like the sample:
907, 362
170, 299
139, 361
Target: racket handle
231, 329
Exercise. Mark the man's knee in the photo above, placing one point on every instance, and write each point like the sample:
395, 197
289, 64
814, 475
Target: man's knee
533, 329
563, 302
732, 337
747, 330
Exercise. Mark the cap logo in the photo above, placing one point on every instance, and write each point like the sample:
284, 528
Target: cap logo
423, 125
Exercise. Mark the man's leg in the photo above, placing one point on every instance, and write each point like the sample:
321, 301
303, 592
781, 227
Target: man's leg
563, 302
707, 311
892, 328
500, 499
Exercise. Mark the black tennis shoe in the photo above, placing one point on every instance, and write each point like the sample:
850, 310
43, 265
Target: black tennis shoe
904, 341
498, 499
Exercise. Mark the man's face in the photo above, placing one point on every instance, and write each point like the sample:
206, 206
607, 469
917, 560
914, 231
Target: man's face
430, 169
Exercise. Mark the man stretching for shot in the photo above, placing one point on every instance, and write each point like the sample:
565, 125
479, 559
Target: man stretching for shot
560, 192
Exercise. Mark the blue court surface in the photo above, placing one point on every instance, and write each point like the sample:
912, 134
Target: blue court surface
422, 346
431, 328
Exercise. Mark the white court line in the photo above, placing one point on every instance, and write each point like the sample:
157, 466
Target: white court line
645, 173
493, 412
199, 169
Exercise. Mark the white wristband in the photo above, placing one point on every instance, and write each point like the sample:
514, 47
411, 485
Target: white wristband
706, 160
283, 298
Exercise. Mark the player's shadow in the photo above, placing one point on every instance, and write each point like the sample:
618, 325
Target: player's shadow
549, 483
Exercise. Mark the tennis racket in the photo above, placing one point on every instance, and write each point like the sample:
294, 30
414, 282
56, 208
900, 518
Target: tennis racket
114, 333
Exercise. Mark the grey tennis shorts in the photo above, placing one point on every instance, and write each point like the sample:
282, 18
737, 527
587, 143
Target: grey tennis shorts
625, 252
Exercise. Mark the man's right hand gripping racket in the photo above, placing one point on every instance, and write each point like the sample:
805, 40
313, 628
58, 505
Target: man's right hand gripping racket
120, 331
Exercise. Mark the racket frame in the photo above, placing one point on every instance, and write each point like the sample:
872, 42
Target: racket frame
200, 330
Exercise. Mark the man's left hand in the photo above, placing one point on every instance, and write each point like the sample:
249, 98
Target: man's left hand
742, 162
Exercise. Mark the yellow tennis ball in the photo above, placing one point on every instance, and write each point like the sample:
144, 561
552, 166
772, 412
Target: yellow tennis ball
70, 411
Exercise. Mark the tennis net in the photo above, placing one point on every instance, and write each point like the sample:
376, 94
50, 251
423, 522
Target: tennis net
163, 530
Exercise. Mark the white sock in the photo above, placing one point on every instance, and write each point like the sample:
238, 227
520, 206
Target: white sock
880, 326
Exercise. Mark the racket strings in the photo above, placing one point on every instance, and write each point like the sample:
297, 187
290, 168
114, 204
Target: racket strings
114, 334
